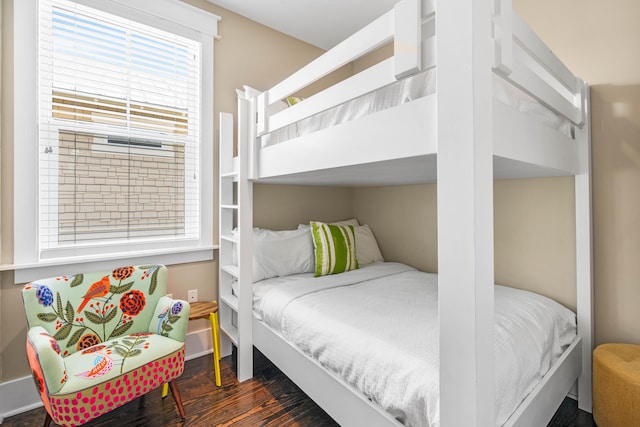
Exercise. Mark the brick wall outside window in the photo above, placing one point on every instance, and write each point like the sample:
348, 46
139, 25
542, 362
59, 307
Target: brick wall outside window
105, 191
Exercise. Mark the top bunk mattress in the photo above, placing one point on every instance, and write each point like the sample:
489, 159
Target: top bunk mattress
376, 328
407, 90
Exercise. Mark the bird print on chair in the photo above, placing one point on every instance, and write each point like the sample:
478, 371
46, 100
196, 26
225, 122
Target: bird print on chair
101, 365
97, 290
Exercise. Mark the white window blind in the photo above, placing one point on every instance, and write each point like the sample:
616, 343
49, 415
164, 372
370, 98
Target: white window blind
119, 132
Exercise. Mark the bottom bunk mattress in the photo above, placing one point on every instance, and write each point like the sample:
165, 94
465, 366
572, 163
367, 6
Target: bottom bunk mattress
377, 329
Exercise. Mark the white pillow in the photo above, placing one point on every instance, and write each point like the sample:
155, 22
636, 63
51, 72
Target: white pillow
367, 250
280, 253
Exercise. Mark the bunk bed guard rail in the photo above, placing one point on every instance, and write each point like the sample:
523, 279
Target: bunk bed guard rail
520, 57
406, 25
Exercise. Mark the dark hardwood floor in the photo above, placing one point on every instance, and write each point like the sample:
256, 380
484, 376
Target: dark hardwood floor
269, 399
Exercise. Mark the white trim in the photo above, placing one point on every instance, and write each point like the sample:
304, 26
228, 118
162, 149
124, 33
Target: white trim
170, 11
198, 344
19, 395
28, 272
206, 141
25, 160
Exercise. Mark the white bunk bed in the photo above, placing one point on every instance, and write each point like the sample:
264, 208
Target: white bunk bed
472, 136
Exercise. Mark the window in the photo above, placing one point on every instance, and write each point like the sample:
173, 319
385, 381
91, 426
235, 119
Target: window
124, 157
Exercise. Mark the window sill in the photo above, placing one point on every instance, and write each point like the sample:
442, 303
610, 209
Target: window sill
67, 266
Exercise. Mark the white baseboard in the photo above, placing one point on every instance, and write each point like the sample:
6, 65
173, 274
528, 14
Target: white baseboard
19, 395
199, 344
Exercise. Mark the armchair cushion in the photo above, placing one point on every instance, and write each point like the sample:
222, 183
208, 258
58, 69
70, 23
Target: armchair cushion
99, 340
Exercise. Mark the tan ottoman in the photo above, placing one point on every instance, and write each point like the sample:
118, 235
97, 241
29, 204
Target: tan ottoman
616, 385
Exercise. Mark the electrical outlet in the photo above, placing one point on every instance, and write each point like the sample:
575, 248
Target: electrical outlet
192, 295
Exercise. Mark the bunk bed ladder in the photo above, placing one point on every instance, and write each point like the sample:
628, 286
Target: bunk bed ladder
236, 223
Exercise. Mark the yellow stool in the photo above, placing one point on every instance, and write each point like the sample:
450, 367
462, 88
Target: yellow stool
206, 310
616, 385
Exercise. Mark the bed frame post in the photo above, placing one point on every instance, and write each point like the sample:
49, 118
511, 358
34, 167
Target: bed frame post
503, 34
246, 113
253, 95
584, 259
408, 34
262, 105
465, 213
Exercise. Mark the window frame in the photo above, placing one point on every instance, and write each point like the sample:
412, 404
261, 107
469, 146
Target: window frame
169, 15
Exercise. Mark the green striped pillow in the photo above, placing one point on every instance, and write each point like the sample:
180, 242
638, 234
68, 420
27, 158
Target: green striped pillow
335, 248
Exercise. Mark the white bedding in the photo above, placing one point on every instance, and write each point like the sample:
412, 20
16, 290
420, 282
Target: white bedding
377, 328
406, 90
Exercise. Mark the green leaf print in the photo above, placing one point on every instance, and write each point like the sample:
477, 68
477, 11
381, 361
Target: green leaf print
47, 317
120, 330
77, 280
120, 351
76, 337
69, 312
134, 352
63, 332
154, 282
59, 305
94, 318
110, 315
122, 288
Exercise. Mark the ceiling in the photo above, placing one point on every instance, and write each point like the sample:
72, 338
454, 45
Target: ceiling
322, 23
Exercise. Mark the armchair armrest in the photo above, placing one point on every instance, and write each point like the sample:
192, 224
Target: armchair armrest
43, 353
170, 318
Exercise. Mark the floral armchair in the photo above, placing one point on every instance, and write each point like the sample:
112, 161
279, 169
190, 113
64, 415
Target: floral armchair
99, 340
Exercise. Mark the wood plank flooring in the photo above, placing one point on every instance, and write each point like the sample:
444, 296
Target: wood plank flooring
269, 399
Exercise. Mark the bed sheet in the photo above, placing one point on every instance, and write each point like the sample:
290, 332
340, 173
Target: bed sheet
377, 329
407, 90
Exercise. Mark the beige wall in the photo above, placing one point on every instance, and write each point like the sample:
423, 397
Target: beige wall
248, 53
598, 41
283, 207
534, 231
404, 221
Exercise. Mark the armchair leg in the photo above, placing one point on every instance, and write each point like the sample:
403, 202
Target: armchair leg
47, 420
173, 386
